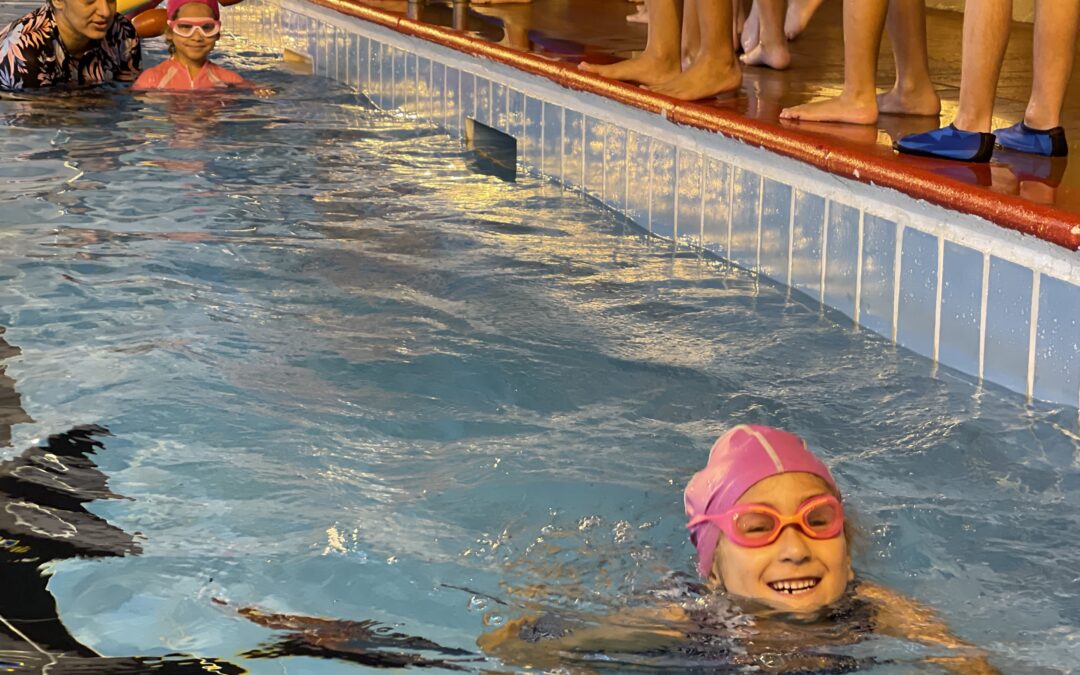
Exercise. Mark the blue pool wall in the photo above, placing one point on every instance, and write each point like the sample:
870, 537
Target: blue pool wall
997, 305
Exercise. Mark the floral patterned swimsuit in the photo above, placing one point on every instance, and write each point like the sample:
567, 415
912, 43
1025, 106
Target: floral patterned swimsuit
32, 54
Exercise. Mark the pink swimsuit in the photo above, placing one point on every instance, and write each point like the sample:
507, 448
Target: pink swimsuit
173, 76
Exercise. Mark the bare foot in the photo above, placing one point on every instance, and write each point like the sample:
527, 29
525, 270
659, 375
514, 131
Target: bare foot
924, 101
706, 78
777, 58
839, 109
798, 16
645, 69
751, 30
641, 16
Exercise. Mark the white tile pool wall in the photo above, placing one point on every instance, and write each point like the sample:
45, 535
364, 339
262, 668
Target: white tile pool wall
989, 302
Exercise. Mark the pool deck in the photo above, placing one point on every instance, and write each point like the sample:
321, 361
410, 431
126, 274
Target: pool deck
1034, 195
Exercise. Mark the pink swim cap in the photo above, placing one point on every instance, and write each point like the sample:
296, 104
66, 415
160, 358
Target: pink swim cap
173, 6
740, 458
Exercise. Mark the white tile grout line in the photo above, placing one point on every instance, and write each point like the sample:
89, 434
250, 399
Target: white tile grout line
824, 247
898, 261
652, 174
562, 145
675, 200
701, 224
604, 166
791, 237
937, 297
626, 176
984, 302
584, 153
1033, 323
543, 137
730, 208
760, 219
859, 266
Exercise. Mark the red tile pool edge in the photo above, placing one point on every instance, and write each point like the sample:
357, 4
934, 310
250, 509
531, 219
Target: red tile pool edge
1047, 223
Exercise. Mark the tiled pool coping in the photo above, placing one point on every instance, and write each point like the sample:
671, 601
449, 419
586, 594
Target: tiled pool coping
993, 303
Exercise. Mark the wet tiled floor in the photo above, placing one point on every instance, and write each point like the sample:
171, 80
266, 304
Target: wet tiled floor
597, 31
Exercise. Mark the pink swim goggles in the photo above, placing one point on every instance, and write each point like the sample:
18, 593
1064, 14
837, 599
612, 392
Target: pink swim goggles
185, 28
754, 525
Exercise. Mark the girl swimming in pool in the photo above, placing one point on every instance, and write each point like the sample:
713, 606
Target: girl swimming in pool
193, 29
767, 520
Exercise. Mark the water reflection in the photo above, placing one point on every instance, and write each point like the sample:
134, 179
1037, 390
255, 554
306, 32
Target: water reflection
11, 410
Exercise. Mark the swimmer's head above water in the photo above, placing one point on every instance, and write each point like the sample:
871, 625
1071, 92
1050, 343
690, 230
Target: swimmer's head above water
766, 518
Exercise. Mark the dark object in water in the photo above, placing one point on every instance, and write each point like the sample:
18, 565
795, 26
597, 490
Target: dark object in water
368, 642
42, 519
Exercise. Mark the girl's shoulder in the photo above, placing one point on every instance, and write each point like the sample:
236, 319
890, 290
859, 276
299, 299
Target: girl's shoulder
226, 76
152, 77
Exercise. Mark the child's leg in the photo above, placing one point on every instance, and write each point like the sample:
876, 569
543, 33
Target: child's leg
799, 13
715, 69
750, 34
660, 60
864, 22
986, 33
738, 13
691, 31
913, 93
772, 47
1055, 35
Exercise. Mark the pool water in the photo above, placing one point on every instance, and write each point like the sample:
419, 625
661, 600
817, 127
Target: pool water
349, 376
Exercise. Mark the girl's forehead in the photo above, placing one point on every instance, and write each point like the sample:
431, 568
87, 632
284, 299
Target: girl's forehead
785, 490
195, 10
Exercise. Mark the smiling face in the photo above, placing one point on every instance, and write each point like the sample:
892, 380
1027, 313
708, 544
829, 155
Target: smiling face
83, 20
195, 48
795, 573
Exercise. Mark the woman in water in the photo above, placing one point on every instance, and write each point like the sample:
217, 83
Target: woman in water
773, 547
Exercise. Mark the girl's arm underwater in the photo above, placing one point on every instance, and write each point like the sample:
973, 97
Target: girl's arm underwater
522, 642
546, 642
899, 616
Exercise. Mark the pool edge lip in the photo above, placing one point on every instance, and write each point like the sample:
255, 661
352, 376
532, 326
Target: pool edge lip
1044, 222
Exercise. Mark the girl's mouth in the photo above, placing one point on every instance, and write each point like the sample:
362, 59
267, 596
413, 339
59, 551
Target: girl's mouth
795, 586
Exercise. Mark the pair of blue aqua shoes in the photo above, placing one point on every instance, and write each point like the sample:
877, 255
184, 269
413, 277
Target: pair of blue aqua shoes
975, 146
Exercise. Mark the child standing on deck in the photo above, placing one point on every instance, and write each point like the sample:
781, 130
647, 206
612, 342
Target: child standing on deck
766, 518
713, 69
193, 30
859, 103
986, 34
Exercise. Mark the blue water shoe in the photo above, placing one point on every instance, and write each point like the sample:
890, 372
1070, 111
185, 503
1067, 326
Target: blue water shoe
949, 143
1022, 138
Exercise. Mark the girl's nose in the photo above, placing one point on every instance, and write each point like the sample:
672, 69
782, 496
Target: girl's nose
793, 547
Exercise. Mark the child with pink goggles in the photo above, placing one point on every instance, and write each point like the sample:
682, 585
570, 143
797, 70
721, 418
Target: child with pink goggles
194, 27
744, 456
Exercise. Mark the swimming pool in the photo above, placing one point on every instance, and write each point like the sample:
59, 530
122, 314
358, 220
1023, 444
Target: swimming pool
350, 376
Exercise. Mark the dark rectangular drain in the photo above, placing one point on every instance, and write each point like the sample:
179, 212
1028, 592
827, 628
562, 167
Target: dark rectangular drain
494, 153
